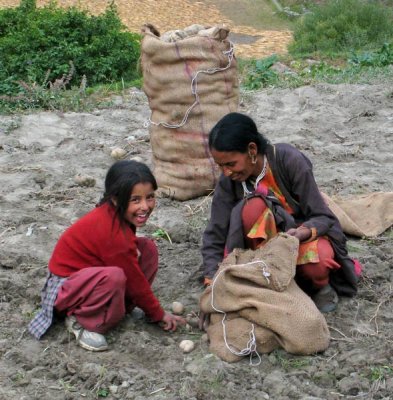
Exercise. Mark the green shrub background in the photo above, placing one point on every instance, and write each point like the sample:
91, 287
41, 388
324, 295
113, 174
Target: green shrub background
38, 44
46, 51
340, 26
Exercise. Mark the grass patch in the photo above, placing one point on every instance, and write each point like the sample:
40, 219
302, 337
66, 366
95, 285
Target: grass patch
288, 362
360, 68
57, 95
380, 373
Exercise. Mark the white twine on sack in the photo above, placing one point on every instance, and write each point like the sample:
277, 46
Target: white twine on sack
194, 90
251, 347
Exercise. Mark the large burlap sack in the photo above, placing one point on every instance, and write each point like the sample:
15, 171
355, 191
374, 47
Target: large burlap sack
190, 79
254, 293
365, 215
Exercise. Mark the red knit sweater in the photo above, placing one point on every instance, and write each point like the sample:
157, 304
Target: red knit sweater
97, 240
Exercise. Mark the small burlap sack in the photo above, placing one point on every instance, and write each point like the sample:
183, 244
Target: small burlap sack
255, 293
365, 215
190, 79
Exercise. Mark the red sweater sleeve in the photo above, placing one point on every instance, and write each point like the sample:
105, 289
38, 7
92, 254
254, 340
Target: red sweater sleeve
97, 240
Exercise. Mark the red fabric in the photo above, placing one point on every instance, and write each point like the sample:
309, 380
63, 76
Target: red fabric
251, 211
358, 267
95, 296
97, 240
318, 273
148, 259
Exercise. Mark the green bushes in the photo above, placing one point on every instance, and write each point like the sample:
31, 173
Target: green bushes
37, 46
258, 73
360, 67
340, 26
380, 58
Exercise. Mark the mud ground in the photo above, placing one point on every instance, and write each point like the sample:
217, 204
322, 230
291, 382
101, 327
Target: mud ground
346, 130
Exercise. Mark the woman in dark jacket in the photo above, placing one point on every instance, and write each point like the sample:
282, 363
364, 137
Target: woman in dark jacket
265, 189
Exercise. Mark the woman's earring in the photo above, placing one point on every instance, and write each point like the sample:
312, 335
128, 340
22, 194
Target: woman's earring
253, 158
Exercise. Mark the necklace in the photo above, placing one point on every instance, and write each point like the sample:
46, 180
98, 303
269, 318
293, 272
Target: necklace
259, 178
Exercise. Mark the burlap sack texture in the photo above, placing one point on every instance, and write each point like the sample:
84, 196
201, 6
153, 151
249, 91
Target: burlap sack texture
282, 314
364, 215
182, 163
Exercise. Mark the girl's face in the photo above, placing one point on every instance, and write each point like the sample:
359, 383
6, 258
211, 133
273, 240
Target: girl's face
237, 166
141, 204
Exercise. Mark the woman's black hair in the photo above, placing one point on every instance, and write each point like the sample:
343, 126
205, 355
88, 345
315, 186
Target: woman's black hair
234, 132
120, 179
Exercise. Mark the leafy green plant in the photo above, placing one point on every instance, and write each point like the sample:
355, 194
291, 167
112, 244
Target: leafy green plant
361, 67
38, 44
102, 392
67, 386
48, 95
58, 96
340, 26
162, 233
260, 74
380, 373
295, 363
291, 363
379, 58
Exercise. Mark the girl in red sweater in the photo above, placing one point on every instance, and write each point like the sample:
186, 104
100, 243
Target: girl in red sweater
100, 269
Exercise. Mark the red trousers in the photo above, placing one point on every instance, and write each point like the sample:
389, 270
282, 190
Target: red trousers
315, 273
96, 295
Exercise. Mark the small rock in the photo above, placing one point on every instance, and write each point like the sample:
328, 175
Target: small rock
177, 308
117, 100
280, 68
36, 147
71, 367
187, 346
113, 389
90, 370
84, 180
353, 384
192, 320
118, 153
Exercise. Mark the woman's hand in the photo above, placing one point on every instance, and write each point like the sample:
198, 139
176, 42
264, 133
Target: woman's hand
302, 233
169, 321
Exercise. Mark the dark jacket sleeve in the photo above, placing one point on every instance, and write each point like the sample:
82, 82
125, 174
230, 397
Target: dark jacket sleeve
293, 172
214, 237
298, 178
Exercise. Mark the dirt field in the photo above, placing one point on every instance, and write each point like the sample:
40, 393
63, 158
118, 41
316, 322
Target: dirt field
346, 130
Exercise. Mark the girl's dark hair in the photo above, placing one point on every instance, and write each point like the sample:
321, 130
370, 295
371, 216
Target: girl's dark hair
120, 179
234, 132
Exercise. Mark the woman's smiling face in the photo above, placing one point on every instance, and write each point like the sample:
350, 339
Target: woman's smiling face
237, 166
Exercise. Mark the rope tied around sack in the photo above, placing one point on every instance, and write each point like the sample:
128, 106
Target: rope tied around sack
194, 90
251, 347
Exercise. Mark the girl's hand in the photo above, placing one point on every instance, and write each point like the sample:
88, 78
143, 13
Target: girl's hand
169, 321
302, 233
